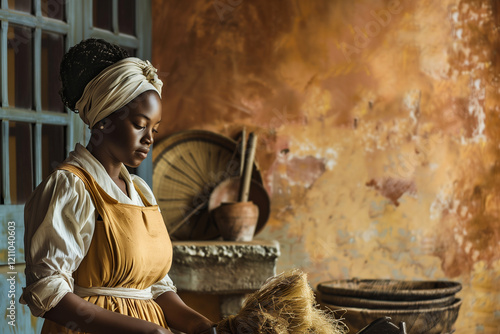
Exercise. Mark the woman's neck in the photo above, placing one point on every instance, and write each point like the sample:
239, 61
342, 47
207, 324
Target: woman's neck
112, 167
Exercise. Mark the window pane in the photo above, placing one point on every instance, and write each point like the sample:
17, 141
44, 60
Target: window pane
1, 170
20, 162
22, 5
53, 144
126, 16
20, 65
52, 52
131, 51
103, 14
54, 9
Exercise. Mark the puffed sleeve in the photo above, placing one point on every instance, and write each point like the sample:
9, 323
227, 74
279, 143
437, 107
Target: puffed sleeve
162, 286
59, 224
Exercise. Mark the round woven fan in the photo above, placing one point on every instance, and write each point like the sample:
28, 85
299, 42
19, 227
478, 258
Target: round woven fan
187, 166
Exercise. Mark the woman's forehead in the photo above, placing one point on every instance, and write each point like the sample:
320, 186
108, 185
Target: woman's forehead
147, 105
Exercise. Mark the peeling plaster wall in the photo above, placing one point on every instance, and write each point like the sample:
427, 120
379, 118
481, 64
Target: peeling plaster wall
378, 125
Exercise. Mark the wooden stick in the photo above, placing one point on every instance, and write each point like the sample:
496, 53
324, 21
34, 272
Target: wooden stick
186, 218
243, 143
247, 171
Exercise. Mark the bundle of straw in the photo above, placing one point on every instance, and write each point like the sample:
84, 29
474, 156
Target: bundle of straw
285, 304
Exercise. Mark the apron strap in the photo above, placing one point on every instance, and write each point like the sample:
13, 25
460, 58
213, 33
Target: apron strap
91, 184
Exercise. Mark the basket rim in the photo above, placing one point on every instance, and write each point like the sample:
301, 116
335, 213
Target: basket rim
370, 288
455, 305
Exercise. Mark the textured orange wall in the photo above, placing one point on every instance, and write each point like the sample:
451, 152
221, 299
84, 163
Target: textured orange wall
378, 124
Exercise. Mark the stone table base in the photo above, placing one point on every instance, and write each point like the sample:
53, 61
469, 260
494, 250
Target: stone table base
228, 269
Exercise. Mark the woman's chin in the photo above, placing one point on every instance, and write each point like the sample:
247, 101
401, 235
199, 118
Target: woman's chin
133, 164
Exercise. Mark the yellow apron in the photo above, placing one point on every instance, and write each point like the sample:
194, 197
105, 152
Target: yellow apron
130, 248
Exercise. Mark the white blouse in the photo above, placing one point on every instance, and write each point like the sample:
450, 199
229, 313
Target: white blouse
59, 220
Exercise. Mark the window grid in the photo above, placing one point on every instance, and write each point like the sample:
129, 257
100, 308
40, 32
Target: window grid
37, 117
114, 36
115, 16
5, 157
73, 27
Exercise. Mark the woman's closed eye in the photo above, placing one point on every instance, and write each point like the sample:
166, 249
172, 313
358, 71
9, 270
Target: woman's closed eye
139, 127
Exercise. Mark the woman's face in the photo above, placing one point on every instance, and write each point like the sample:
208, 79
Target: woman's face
129, 132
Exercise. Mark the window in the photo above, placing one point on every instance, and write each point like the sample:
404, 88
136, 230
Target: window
115, 21
34, 36
37, 132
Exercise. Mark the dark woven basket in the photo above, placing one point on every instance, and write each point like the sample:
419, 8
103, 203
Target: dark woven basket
436, 320
390, 290
374, 304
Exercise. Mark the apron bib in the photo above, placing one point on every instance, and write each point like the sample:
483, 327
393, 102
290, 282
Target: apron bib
130, 249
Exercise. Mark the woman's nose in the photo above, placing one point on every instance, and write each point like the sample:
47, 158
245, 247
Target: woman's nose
148, 138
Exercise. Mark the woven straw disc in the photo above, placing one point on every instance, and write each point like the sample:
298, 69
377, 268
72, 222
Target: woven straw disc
187, 166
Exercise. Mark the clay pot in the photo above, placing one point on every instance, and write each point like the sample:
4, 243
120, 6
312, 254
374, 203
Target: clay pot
227, 191
237, 221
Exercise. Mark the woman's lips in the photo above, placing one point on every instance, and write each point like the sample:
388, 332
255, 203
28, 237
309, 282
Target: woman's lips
143, 153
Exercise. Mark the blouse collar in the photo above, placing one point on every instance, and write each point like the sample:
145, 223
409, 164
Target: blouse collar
83, 158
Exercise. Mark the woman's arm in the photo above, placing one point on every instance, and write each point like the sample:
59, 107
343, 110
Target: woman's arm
79, 315
180, 316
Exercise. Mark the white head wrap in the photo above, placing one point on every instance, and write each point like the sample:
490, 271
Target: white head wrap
116, 86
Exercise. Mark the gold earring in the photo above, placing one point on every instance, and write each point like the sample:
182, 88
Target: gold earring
101, 127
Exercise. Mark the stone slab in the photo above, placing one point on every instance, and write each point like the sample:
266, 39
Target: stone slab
223, 267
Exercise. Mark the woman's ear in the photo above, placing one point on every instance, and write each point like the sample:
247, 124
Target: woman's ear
102, 124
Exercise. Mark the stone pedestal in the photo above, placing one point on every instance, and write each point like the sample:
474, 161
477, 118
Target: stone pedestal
228, 269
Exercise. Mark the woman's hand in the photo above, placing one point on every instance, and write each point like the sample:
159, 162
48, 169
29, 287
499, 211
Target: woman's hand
204, 327
159, 330
210, 330
181, 317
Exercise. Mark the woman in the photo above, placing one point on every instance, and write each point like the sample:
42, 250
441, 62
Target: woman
97, 250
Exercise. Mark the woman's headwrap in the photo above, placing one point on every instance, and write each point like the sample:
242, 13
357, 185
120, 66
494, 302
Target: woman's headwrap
116, 86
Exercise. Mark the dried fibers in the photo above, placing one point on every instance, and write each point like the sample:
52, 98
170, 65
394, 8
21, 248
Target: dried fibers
284, 304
